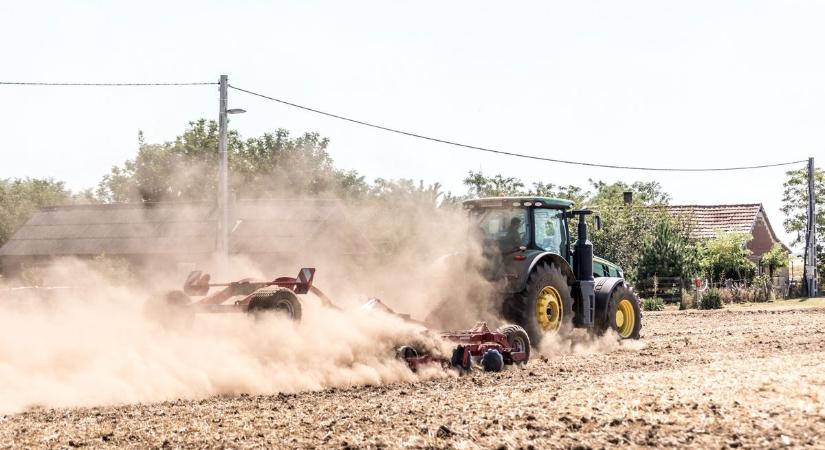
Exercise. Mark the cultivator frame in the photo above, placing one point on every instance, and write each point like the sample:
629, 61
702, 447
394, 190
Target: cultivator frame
199, 284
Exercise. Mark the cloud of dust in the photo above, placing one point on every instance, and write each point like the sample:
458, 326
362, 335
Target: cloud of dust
94, 346
581, 343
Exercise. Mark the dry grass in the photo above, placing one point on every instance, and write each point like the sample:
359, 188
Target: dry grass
738, 377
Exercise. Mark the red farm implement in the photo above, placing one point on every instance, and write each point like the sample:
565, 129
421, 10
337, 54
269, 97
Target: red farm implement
491, 349
508, 345
247, 295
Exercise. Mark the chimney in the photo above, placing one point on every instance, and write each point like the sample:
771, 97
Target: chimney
628, 197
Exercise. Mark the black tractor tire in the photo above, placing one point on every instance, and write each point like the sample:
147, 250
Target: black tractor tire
171, 310
522, 308
277, 300
625, 299
517, 339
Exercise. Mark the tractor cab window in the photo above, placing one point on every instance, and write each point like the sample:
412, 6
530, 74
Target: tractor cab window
550, 231
506, 227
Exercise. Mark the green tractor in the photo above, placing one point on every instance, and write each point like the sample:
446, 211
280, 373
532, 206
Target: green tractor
551, 285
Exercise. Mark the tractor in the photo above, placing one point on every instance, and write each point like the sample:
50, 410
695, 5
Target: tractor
548, 284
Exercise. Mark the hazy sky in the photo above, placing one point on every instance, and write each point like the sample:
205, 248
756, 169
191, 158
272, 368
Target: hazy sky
656, 83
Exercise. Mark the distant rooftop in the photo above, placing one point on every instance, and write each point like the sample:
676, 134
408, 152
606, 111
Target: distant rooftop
258, 226
706, 221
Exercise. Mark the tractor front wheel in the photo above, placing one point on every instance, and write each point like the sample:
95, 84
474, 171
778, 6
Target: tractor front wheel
546, 306
624, 314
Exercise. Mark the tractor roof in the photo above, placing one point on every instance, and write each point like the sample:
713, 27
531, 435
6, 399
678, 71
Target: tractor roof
528, 200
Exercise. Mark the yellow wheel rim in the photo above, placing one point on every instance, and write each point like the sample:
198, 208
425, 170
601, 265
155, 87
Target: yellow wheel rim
625, 318
549, 310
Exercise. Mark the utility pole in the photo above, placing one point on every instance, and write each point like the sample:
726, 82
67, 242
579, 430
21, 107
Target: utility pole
223, 176
810, 237
223, 173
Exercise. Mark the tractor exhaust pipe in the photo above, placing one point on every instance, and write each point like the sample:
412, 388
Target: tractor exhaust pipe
583, 266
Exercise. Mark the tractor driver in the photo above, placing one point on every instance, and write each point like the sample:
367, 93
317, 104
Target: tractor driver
512, 239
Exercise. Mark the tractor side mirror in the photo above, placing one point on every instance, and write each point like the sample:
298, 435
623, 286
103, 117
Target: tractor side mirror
597, 221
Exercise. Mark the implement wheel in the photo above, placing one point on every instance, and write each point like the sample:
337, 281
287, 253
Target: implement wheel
624, 314
546, 306
517, 338
277, 300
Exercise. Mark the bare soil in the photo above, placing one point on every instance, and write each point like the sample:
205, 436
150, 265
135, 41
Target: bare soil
730, 378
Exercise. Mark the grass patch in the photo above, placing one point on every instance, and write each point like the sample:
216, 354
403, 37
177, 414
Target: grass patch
815, 302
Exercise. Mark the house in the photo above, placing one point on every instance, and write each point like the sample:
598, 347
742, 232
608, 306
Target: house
706, 221
174, 236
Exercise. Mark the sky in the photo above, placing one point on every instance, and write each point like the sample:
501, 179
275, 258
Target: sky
645, 83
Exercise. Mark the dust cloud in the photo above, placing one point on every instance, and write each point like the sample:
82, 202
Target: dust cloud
91, 343
94, 346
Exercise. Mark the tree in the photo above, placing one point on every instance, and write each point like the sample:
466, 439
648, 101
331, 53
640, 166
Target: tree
726, 256
273, 164
668, 252
495, 186
626, 228
644, 193
775, 258
573, 193
19, 198
795, 207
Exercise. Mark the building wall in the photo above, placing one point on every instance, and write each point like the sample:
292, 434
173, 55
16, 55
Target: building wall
762, 240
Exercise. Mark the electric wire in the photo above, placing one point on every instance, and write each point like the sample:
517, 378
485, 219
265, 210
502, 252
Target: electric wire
46, 83
507, 153
412, 134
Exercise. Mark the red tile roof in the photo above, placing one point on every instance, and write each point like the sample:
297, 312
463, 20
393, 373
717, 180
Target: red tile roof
708, 220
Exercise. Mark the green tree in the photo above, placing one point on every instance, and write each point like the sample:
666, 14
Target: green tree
795, 207
644, 193
726, 256
668, 252
573, 193
498, 185
19, 198
626, 228
186, 168
775, 258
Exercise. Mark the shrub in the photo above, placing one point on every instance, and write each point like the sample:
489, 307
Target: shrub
711, 299
653, 304
726, 295
762, 288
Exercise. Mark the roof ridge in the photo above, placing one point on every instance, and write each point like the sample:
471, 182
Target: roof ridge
714, 206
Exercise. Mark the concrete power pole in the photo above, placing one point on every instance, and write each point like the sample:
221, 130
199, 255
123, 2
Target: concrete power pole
223, 177
810, 237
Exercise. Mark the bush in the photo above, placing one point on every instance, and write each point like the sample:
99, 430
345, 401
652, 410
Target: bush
711, 299
726, 295
653, 304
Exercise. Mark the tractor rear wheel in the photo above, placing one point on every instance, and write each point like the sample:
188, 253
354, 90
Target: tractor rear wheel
279, 300
517, 339
624, 314
545, 306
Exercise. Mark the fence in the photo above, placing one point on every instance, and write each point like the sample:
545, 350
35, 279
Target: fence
669, 289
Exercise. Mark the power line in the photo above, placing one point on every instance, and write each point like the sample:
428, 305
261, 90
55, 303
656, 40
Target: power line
37, 83
506, 153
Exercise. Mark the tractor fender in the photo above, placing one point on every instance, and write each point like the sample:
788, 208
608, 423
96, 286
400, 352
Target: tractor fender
520, 283
603, 288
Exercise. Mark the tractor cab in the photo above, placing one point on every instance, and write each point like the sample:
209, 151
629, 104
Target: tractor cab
547, 281
513, 230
